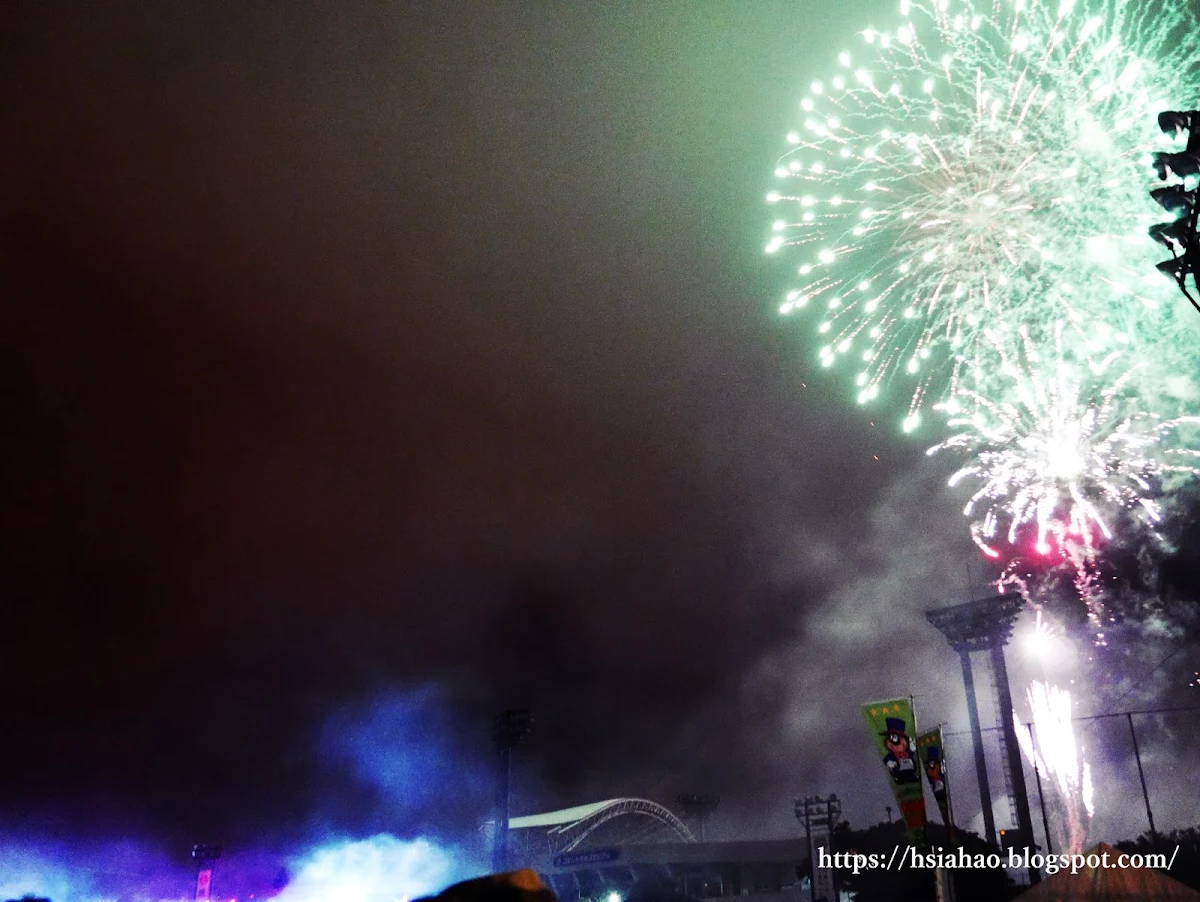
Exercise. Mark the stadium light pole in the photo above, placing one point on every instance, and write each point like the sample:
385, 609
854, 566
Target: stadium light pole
986, 625
206, 859
1179, 236
508, 729
698, 808
822, 816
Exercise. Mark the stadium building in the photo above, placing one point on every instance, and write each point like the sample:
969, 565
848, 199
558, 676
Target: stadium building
610, 850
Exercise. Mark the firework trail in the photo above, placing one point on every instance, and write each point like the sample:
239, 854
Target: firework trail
1058, 757
982, 163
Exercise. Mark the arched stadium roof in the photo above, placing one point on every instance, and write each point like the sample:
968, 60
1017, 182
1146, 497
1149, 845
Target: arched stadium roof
568, 827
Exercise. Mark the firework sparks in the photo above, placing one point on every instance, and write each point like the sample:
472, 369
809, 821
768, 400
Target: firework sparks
1045, 641
1056, 754
1061, 452
979, 162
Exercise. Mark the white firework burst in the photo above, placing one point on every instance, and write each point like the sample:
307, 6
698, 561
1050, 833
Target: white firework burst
1058, 448
982, 161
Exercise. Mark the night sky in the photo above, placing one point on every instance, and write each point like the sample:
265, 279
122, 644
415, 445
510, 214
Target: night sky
371, 368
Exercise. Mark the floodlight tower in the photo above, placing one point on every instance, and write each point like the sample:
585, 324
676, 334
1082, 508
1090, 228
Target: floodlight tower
820, 818
1179, 235
986, 625
698, 808
508, 729
205, 857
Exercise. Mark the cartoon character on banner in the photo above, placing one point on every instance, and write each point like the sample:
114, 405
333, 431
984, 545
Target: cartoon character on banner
934, 771
899, 758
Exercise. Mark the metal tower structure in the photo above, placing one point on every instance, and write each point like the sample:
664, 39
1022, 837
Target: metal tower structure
1180, 235
697, 808
206, 861
1006, 771
986, 625
819, 817
508, 729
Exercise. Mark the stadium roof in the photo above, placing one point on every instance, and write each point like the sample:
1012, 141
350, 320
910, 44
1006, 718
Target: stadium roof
565, 816
567, 828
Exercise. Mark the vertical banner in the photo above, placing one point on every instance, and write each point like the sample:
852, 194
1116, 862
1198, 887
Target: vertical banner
204, 884
933, 760
893, 725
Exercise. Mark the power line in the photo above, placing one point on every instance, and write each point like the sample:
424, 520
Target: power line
1182, 646
1095, 717
1148, 711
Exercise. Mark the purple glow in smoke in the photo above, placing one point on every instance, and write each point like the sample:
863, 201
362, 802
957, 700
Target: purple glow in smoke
381, 868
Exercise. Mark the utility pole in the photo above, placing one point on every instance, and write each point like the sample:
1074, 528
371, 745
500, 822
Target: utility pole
1141, 774
1041, 798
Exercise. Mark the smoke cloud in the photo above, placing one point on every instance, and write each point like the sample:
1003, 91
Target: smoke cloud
378, 869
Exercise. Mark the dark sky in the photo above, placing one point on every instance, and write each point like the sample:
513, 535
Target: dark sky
355, 349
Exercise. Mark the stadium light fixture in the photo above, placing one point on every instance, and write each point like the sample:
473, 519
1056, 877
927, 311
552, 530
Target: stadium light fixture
1179, 235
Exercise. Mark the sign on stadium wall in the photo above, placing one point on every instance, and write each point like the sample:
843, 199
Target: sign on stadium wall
594, 856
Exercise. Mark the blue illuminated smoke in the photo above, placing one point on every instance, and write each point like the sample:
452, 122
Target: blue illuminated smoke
380, 868
25, 871
77, 872
428, 766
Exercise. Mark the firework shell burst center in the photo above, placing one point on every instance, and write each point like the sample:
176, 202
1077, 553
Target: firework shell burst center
981, 166
1063, 449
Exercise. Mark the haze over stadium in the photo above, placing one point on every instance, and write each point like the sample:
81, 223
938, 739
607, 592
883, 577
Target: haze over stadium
373, 369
